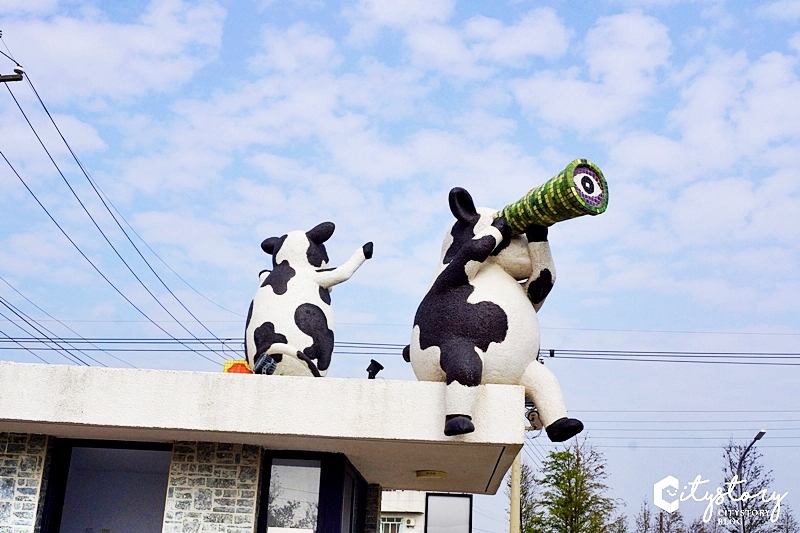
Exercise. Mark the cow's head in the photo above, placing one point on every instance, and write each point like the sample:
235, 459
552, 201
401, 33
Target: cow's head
301, 248
511, 255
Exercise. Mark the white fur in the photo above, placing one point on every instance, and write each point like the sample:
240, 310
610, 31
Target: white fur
279, 309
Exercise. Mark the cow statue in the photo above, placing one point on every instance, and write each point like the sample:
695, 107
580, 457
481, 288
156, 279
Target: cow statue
289, 327
477, 324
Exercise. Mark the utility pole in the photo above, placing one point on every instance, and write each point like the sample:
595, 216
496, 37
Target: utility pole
515, 524
18, 72
17, 76
661, 522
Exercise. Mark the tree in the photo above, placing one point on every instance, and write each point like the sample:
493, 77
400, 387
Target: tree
755, 511
786, 522
647, 522
569, 496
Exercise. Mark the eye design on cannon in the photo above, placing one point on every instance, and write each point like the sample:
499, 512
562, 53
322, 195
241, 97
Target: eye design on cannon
588, 185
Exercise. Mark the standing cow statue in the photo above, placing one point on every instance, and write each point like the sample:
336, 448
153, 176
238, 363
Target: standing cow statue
477, 324
289, 327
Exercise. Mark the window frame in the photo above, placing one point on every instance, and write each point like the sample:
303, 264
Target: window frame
56, 470
450, 495
335, 470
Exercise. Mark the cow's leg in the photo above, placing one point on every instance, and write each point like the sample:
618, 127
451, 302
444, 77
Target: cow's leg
463, 369
542, 387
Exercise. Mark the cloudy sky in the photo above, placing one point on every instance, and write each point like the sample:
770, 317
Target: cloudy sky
213, 125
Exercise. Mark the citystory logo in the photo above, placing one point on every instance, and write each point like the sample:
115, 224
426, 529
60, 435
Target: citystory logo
669, 486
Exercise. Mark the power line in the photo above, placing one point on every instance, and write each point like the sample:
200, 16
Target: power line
94, 222
96, 189
60, 322
87, 258
36, 326
24, 348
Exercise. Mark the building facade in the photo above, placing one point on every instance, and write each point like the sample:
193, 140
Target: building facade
90, 450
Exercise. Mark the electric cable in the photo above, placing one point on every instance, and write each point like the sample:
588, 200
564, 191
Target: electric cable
118, 291
60, 322
94, 222
97, 191
31, 321
66, 356
24, 348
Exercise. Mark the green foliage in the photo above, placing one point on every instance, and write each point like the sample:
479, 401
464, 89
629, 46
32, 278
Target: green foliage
569, 495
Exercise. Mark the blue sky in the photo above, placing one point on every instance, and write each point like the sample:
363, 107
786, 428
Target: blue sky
213, 125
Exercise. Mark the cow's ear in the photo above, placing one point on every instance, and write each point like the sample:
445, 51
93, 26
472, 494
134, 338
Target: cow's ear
462, 206
321, 232
271, 245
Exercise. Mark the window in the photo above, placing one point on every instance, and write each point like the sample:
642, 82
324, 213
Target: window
293, 502
391, 524
448, 513
106, 486
310, 492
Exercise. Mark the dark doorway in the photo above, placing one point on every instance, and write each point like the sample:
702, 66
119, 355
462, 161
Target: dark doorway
106, 487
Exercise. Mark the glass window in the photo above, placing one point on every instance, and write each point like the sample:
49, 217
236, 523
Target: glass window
391, 524
448, 513
293, 496
115, 490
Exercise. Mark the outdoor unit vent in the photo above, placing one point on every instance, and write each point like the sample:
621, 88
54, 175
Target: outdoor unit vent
410, 522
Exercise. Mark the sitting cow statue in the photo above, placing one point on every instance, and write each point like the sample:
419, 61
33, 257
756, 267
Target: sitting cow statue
477, 324
289, 327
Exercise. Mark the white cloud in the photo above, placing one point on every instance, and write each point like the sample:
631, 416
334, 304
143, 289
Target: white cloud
295, 49
538, 33
622, 54
94, 57
782, 10
470, 51
18, 7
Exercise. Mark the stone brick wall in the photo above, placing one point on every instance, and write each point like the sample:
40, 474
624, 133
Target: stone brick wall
21, 466
372, 518
212, 487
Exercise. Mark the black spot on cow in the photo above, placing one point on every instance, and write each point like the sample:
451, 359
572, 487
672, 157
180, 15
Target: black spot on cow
368, 250
462, 234
447, 320
311, 320
541, 286
325, 295
279, 278
407, 353
265, 336
316, 252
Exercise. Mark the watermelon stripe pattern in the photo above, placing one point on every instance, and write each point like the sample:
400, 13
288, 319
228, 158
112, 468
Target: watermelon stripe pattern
580, 189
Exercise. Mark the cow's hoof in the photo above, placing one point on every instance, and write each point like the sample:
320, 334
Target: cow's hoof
458, 425
564, 429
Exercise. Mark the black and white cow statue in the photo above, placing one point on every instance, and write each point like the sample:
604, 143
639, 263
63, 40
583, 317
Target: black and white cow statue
477, 324
289, 327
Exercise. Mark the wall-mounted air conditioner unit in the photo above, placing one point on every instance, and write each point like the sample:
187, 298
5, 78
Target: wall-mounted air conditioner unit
410, 522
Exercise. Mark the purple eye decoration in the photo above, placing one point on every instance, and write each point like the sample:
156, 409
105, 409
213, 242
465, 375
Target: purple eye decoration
589, 186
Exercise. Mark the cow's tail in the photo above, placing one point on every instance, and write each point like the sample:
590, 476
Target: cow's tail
266, 361
280, 348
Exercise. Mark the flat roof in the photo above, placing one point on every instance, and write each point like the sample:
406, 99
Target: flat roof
388, 429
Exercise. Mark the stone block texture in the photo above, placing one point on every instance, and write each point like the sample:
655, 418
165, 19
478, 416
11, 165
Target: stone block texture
372, 518
212, 487
21, 466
